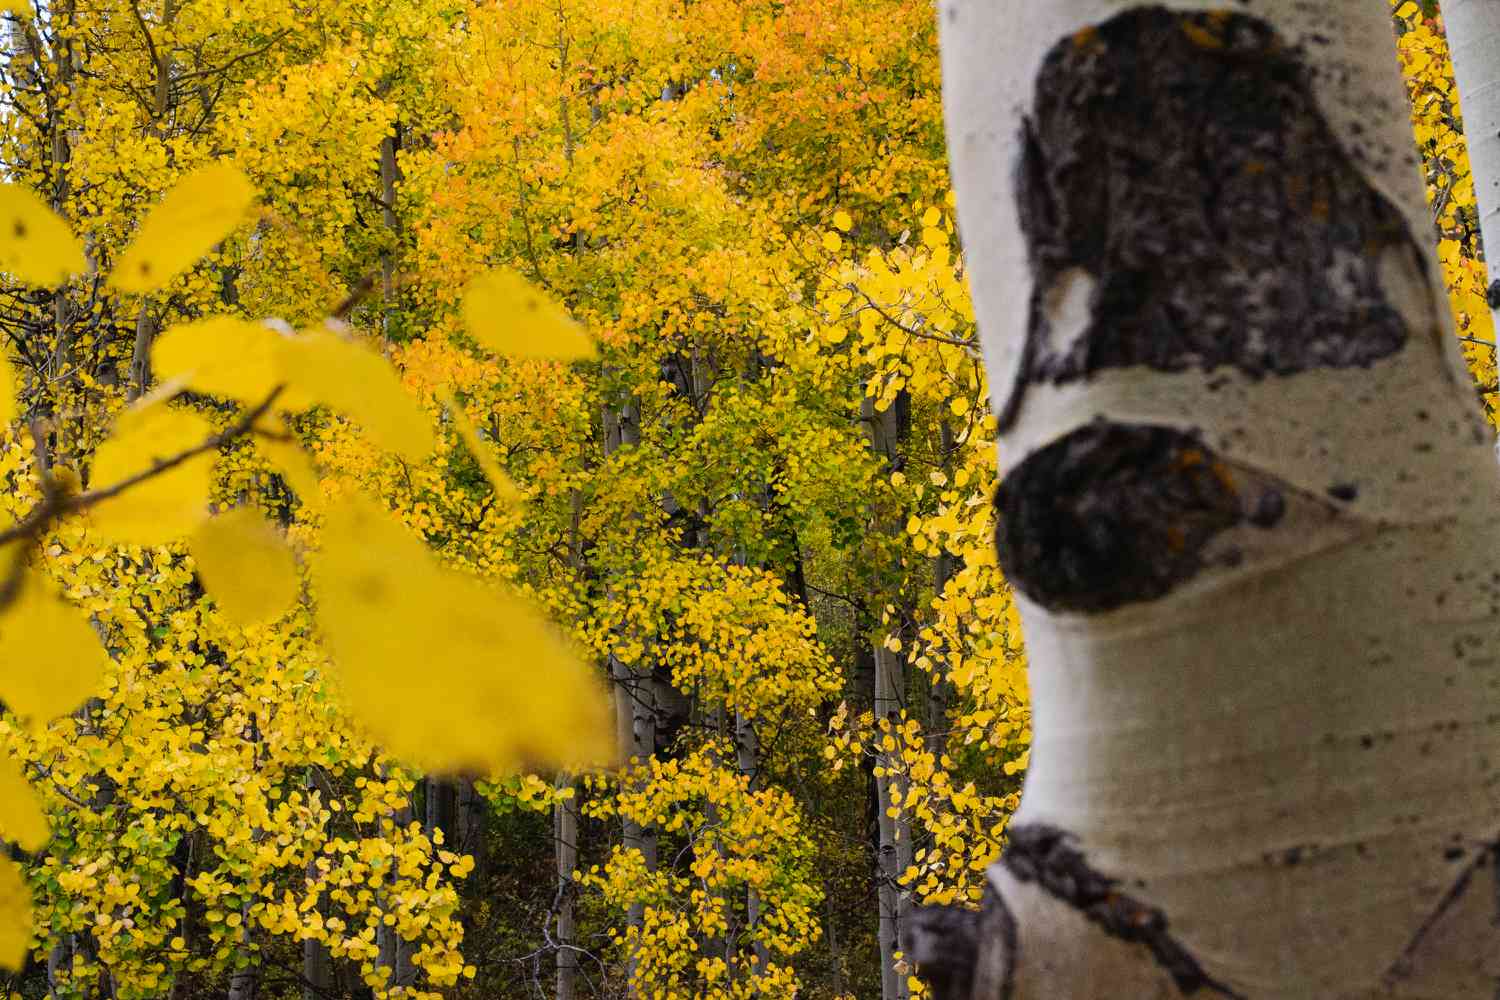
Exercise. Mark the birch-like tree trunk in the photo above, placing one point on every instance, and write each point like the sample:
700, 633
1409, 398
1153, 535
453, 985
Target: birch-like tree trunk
565, 852
634, 696
1247, 504
894, 855
1474, 40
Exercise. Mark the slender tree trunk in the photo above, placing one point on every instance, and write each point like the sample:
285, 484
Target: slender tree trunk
395, 952
565, 848
147, 323
1474, 40
940, 691
889, 703
471, 826
244, 982
635, 696
1247, 506
747, 760
390, 174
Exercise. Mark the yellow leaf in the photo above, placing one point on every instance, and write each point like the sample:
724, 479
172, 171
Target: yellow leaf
222, 356
497, 686
832, 243
841, 221
20, 8
164, 506
21, 818
507, 315
292, 463
499, 481
15, 916
931, 217
35, 244
54, 660
245, 564
199, 212
322, 367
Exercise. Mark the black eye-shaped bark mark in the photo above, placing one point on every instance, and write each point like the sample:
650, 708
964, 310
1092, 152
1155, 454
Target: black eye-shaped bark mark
1186, 205
1046, 856
1112, 514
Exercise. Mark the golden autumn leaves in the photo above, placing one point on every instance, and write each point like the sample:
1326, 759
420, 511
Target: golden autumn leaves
445, 670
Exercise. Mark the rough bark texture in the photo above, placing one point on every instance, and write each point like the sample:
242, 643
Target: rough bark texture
1161, 143
1247, 504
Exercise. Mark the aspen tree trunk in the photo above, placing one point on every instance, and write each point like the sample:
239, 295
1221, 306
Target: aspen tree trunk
565, 838
747, 760
895, 852
1247, 505
244, 984
147, 323
1473, 28
395, 952
940, 691
390, 174
635, 694
317, 962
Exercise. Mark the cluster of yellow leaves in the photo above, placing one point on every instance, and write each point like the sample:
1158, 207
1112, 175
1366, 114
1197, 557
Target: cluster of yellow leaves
383, 602
738, 839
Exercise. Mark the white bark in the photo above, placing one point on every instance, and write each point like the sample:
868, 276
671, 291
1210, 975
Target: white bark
888, 702
1289, 758
1474, 40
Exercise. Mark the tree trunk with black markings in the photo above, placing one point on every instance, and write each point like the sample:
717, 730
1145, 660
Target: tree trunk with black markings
1247, 505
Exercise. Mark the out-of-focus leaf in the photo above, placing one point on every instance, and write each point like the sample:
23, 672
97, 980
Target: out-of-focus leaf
164, 506
245, 565
36, 245
322, 367
496, 686
506, 314
53, 658
199, 212
221, 356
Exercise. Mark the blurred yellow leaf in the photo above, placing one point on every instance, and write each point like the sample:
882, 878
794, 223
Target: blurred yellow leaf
508, 315
164, 506
841, 221
245, 564
504, 488
291, 462
54, 660
21, 818
322, 367
832, 243
222, 356
20, 8
497, 687
931, 217
199, 212
15, 916
35, 244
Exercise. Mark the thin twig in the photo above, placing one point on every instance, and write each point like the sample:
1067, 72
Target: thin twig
56, 503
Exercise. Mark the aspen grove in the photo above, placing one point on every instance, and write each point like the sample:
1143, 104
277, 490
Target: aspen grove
501, 499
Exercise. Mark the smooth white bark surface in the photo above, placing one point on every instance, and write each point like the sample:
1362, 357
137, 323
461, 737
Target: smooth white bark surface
1294, 758
1473, 28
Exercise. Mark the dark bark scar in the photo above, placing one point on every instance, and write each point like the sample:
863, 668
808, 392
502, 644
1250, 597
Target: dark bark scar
1047, 857
1186, 204
1112, 514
